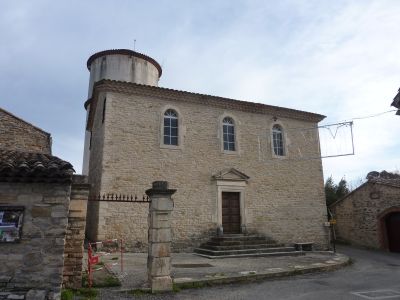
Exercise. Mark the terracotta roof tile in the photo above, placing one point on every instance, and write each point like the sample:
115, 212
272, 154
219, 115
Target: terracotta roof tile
16, 166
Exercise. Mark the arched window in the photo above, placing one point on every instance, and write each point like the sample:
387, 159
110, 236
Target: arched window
228, 130
171, 127
277, 140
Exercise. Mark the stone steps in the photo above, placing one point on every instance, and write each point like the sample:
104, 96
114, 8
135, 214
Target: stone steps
294, 253
238, 243
243, 245
217, 247
244, 251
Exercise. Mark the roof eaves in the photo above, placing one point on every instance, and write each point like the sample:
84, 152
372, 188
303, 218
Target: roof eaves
19, 166
129, 88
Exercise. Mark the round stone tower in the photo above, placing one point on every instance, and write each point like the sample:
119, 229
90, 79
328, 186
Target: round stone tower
120, 65
123, 65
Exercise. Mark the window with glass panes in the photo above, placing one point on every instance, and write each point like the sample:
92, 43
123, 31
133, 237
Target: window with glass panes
170, 127
228, 129
277, 140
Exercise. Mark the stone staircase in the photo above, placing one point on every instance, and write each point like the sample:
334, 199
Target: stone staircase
243, 245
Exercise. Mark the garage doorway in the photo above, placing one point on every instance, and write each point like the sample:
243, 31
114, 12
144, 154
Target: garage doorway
392, 222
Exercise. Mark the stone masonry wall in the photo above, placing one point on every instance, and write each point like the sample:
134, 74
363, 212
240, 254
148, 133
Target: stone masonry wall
357, 215
96, 168
37, 260
16, 134
73, 255
284, 198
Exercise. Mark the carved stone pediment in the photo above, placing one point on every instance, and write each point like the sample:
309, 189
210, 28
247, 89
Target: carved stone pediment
231, 175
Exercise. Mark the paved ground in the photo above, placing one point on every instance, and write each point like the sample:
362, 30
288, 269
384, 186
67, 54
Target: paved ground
374, 275
188, 267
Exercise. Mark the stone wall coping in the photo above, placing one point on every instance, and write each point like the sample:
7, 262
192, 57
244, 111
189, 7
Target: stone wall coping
106, 85
79, 179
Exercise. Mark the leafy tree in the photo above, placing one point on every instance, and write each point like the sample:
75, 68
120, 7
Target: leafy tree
330, 191
342, 188
333, 191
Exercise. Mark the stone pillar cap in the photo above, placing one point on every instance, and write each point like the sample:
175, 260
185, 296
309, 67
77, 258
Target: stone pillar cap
161, 188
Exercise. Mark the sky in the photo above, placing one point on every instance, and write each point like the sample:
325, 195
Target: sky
337, 58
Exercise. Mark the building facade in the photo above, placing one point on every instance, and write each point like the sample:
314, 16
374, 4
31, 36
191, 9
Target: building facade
370, 215
238, 167
17, 134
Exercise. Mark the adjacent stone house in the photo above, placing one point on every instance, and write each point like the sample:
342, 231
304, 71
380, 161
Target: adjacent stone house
42, 214
369, 216
17, 134
35, 190
238, 167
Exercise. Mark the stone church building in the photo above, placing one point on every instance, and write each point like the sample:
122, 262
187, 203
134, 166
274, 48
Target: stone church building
238, 166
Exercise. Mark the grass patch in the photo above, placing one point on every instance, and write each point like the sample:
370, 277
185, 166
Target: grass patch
109, 281
139, 292
82, 293
67, 294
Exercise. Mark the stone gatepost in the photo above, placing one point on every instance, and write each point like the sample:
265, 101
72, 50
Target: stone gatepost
159, 256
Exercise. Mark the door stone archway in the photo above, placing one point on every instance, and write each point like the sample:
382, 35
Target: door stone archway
389, 229
230, 201
392, 222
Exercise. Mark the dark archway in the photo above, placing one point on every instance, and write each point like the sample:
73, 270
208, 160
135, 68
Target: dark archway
389, 231
392, 222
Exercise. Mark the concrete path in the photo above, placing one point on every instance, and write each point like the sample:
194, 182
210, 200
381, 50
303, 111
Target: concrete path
191, 269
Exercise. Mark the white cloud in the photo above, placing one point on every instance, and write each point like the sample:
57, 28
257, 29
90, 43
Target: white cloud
338, 58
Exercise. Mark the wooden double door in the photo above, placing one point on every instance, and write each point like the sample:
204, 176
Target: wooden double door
393, 231
231, 212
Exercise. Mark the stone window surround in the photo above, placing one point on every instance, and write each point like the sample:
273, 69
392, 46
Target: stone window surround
231, 186
284, 134
221, 133
227, 124
180, 129
172, 118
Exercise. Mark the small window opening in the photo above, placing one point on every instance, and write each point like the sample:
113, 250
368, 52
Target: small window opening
171, 127
104, 111
277, 140
228, 130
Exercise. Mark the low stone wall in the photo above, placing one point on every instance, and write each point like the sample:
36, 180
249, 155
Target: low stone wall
73, 255
36, 260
